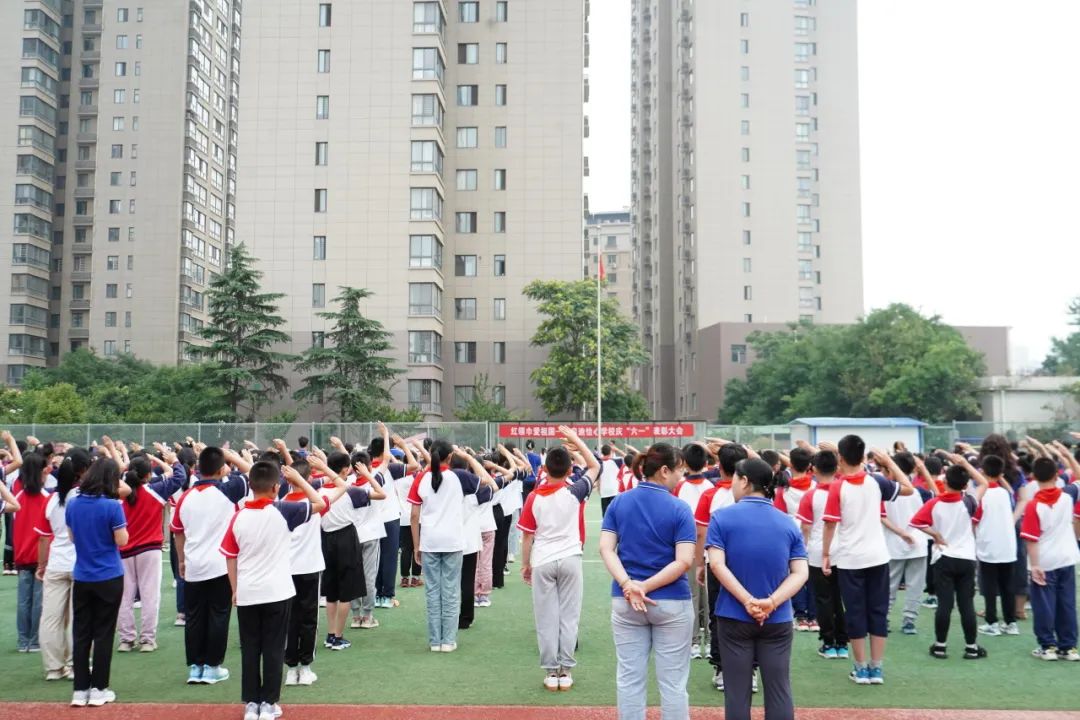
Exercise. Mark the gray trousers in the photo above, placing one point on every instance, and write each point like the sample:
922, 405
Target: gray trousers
369, 551
769, 645
914, 573
556, 595
665, 629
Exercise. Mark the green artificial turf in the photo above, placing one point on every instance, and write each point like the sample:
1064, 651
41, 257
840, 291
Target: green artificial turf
496, 663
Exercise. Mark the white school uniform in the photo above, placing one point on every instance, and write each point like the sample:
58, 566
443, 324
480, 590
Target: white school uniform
1050, 523
258, 536
442, 513
899, 512
812, 512
854, 504
951, 515
995, 536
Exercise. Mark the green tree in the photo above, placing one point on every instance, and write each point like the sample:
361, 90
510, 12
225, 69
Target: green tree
625, 405
350, 369
483, 406
893, 362
242, 333
566, 382
179, 395
59, 404
1064, 356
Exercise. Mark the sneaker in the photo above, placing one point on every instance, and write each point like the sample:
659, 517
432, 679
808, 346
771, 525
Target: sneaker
718, 680
214, 675
137, 605
101, 697
79, 698
930, 601
908, 628
269, 712
1011, 629
1070, 655
53, 675
306, 676
406, 582
448, 647
753, 681
842, 652
148, 646
1049, 653
328, 643
195, 675
436, 648
803, 625
292, 676
551, 682
368, 623
418, 582
322, 601
860, 675
125, 646
695, 651
355, 624
251, 711
975, 652
825, 650
340, 643
68, 673
487, 601
938, 650
566, 681
506, 571
180, 620
814, 627
991, 629
877, 676
34, 649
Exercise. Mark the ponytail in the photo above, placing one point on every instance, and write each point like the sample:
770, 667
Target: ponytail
760, 475
138, 470
440, 451
75, 463
660, 455
30, 473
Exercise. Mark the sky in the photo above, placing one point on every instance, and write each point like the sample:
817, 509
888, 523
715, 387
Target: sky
970, 143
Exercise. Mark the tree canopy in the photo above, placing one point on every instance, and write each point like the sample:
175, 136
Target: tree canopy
1064, 356
483, 406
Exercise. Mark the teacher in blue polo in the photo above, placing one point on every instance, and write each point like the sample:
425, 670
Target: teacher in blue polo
758, 556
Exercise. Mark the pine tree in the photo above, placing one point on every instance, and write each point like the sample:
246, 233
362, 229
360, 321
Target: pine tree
349, 368
242, 332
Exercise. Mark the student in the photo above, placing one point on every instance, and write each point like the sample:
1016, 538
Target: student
302, 444
410, 569
553, 527
198, 524
141, 557
98, 529
32, 499
258, 536
930, 480
907, 554
832, 630
693, 485
787, 499
995, 549
853, 517
647, 546
470, 533
437, 498
507, 470
1048, 529
503, 506
389, 468
948, 520
757, 554
188, 459
370, 530
609, 477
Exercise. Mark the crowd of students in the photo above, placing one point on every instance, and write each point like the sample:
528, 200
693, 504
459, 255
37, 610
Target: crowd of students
715, 551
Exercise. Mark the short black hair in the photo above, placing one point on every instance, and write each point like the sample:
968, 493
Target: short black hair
770, 456
933, 465
800, 459
558, 463
337, 461
905, 461
211, 460
852, 449
825, 462
956, 477
376, 446
264, 476
301, 466
1044, 469
303, 441
730, 455
695, 456
605, 449
992, 466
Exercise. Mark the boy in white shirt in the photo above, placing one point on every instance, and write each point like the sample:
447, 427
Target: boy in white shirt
995, 549
907, 555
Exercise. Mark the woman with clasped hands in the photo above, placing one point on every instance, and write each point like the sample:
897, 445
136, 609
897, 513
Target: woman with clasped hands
648, 546
758, 556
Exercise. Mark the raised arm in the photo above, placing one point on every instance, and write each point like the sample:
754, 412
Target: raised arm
592, 466
981, 483
884, 460
297, 481
477, 469
377, 493
13, 451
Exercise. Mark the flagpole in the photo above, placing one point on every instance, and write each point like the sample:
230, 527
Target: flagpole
599, 401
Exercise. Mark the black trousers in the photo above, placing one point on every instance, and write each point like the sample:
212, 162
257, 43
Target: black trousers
95, 607
502, 546
604, 502
468, 589
742, 645
9, 540
931, 588
830, 608
303, 621
386, 577
409, 566
208, 606
713, 586
954, 580
262, 647
996, 580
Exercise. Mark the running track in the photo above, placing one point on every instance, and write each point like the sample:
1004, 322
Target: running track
36, 711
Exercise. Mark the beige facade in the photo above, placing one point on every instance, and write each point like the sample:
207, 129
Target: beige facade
140, 162
746, 177
607, 236
430, 152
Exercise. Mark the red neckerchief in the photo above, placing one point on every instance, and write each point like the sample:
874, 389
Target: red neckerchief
942, 488
823, 485
802, 482
694, 479
993, 483
723, 484
549, 487
856, 479
1049, 496
376, 463
294, 497
259, 503
951, 496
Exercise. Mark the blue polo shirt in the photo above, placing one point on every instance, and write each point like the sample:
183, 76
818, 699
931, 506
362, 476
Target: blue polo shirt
649, 522
759, 542
91, 520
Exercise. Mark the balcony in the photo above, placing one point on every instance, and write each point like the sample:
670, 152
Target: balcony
428, 408
79, 333
86, 137
82, 220
83, 304
92, 28
90, 83
84, 193
85, 164
81, 275
88, 109
91, 55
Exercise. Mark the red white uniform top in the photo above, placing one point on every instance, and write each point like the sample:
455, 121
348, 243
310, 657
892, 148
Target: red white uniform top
627, 479
508, 497
789, 498
342, 513
368, 520
402, 485
259, 536
691, 488
609, 476
53, 523
442, 513
715, 498
554, 514
202, 515
812, 512
1027, 490
389, 508
952, 515
144, 517
305, 545
476, 505
900, 512
995, 535
855, 505
1048, 521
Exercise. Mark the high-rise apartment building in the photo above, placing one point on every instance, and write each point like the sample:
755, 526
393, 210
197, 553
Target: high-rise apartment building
607, 237
745, 176
428, 151
121, 160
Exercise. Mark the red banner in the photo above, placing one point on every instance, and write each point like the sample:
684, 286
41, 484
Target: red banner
627, 431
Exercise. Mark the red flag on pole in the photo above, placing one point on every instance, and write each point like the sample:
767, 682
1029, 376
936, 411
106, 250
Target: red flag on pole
603, 275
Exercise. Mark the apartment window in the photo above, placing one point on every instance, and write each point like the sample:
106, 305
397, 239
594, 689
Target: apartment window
747, 292
747, 265
320, 200
465, 308
802, 104
499, 265
110, 291
468, 53
465, 352
427, 156
804, 241
744, 127
427, 17
499, 224
318, 295
322, 107
498, 353
744, 181
746, 209
426, 110
323, 61
500, 95
110, 319
325, 14
120, 69
121, 15
425, 251
425, 394
500, 136
465, 222
802, 159
804, 25
738, 354
114, 234
468, 12
118, 123
425, 204
803, 186
803, 78
110, 348
806, 297
744, 100
138, 42
425, 347
744, 73
121, 42
112, 262
499, 309
744, 47
427, 65
114, 207
319, 248
745, 154
322, 152
465, 265
502, 11
466, 137
802, 132
804, 51
468, 95
802, 213
127, 318
463, 395
466, 180
500, 53
500, 179
806, 270
425, 300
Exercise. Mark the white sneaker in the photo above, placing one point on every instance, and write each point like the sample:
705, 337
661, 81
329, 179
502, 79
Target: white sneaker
991, 629
1012, 629
79, 698
251, 711
1049, 654
753, 681
100, 697
306, 676
138, 605
436, 648
448, 647
551, 682
322, 601
718, 680
695, 651
292, 676
266, 712
566, 681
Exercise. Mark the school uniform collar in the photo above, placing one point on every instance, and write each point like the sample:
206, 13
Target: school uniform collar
550, 487
258, 503
649, 484
802, 482
855, 478
1048, 496
755, 499
723, 484
695, 479
951, 496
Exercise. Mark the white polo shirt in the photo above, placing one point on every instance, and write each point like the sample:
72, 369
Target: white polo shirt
900, 512
53, 523
691, 488
609, 476
855, 505
995, 535
368, 520
554, 514
258, 537
390, 508
402, 485
342, 512
812, 512
713, 499
442, 513
951, 515
202, 514
305, 546
1048, 520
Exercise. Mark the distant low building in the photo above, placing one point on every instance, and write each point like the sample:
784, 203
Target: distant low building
878, 433
1014, 398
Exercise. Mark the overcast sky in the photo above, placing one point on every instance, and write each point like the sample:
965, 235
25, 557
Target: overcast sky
970, 126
